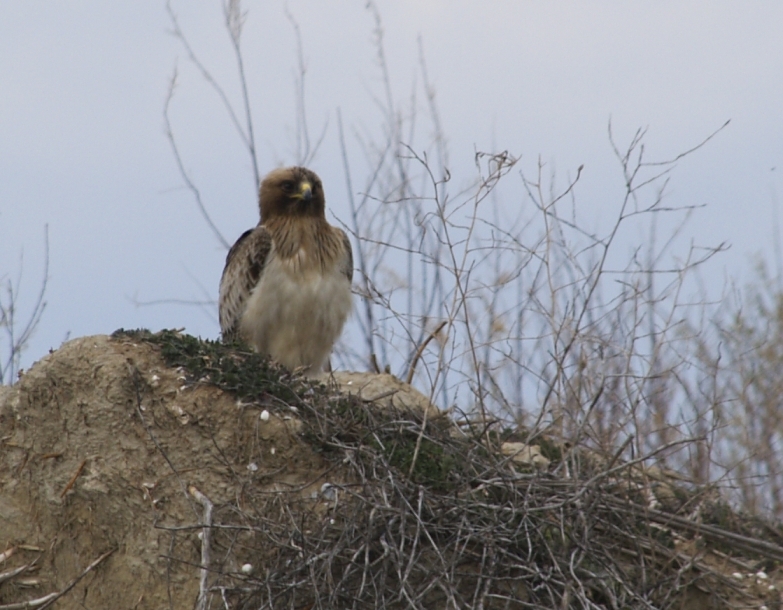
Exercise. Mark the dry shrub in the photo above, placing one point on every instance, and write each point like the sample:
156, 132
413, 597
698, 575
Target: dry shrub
419, 513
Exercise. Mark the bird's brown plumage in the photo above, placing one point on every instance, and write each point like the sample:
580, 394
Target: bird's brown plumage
286, 286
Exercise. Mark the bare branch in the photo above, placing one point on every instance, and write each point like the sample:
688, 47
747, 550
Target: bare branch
182, 171
16, 339
235, 20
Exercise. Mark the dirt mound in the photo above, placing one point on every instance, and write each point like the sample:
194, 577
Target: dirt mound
100, 442
129, 463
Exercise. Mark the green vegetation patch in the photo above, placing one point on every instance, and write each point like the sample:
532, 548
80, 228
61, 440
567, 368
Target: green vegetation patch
231, 367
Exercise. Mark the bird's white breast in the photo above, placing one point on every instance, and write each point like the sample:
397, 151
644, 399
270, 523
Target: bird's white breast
296, 312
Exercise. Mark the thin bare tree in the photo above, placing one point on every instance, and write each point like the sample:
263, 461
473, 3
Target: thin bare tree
17, 327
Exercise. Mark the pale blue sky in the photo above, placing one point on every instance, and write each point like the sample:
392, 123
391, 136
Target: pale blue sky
82, 145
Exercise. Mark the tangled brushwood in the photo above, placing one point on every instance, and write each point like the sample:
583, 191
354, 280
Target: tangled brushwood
417, 512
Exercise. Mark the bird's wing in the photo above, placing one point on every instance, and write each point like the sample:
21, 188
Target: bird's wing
244, 265
346, 264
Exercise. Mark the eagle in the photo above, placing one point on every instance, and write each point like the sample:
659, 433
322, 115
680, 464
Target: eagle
286, 286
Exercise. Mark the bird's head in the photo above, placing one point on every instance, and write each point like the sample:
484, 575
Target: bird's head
291, 191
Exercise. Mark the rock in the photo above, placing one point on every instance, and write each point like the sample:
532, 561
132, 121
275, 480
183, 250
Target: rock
525, 455
383, 388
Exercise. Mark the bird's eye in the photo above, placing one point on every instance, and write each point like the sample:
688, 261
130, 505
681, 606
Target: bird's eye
288, 185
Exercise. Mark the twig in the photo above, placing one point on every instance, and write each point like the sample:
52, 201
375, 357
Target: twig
235, 20
368, 321
73, 478
49, 600
418, 440
178, 33
181, 166
421, 349
33, 603
15, 572
17, 339
205, 546
767, 549
7, 554
305, 152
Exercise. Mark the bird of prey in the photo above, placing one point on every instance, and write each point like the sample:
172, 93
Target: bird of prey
286, 286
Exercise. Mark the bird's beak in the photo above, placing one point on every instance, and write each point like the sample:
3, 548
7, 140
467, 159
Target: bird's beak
306, 191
